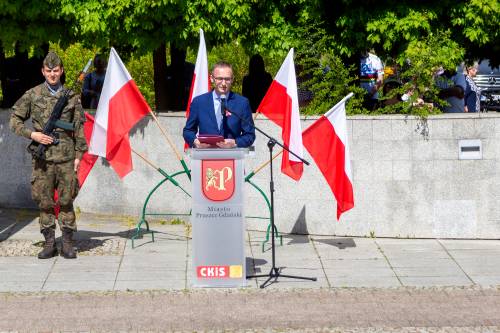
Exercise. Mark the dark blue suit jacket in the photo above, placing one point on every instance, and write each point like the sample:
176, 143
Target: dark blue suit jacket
202, 120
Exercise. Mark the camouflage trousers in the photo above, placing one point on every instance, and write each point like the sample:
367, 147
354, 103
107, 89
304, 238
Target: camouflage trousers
50, 176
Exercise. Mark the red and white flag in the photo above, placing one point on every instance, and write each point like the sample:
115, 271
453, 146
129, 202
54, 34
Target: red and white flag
121, 106
281, 105
326, 141
88, 160
200, 83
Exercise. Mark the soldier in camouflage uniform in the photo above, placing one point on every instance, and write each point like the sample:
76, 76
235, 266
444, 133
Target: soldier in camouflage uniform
59, 169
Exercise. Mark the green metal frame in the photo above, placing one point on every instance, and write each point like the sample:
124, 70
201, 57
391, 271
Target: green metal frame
144, 214
185, 170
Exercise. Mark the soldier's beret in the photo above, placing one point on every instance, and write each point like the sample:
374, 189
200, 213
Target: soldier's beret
52, 60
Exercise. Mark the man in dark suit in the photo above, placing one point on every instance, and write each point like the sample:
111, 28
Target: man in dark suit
220, 112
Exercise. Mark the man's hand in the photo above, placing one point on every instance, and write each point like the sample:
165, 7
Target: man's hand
228, 143
41, 138
77, 164
198, 144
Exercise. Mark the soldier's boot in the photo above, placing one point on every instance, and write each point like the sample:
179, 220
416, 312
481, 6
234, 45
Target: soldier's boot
68, 251
49, 249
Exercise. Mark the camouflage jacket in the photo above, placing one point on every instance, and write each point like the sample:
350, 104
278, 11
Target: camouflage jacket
37, 104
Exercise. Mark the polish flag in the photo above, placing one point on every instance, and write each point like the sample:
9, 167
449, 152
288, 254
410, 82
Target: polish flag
281, 105
88, 160
326, 141
121, 106
200, 83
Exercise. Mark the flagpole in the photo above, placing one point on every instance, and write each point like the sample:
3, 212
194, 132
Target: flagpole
145, 159
267, 162
349, 95
256, 170
179, 157
165, 135
160, 170
343, 100
251, 174
256, 115
167, 178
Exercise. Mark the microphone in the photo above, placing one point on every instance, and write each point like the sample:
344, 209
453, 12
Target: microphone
223, 105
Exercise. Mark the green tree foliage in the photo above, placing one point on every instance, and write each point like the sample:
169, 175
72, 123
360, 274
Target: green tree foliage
145, 24
152, 25
279, 23
141, 70
479, 22
140, 67
321, 71
235, 54
74, 58
389, 26
398, 27
236, 29
420, 35
418, 65
29, 24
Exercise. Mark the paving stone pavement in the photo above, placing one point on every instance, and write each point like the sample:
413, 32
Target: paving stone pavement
364, 284
226, 310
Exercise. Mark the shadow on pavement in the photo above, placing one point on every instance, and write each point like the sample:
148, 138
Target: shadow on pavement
97, 238
296, 239
340, 243
253, 263
13, 221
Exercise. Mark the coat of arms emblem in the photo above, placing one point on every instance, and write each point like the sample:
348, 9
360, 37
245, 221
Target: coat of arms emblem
217, 179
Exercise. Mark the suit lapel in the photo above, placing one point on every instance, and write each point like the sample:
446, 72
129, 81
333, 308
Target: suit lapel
211, 109
229, 101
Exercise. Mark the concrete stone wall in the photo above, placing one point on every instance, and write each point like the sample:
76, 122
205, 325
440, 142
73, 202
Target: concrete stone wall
406, 184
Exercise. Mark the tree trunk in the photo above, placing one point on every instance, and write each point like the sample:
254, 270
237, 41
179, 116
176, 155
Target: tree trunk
160, 78
179, 79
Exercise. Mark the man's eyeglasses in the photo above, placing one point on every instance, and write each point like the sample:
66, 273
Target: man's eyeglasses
220, 79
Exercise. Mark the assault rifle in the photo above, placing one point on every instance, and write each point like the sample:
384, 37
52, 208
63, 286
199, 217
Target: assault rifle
37, 149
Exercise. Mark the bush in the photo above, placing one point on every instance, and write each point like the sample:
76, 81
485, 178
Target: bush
319, 69
419, 64
76, 56
235, 55
141, 70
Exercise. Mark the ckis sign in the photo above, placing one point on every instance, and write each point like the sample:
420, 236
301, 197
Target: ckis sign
219, 272
217, 179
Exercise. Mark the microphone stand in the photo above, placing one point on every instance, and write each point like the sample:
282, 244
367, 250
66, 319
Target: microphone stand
275, 272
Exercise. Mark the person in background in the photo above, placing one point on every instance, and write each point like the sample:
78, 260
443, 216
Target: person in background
256, 83
452, 85
92, 85
371, 75
179, 78
472, 98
